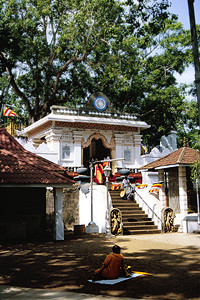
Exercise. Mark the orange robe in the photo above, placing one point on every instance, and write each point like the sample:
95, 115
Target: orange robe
112, 266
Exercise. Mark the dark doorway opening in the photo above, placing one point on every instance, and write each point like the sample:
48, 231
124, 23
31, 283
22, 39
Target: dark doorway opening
95, 150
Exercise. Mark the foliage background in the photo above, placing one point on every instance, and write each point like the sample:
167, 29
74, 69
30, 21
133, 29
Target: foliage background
60, 52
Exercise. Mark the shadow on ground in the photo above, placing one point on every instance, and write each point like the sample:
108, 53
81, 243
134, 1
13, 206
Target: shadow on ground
67, 266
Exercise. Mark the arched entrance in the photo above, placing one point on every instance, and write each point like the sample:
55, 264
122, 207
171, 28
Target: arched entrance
98, 147
95, 150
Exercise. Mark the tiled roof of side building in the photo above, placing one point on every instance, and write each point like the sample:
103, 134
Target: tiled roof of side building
19, 166
182, 156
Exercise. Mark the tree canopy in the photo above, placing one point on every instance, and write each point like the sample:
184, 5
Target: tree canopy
59, 52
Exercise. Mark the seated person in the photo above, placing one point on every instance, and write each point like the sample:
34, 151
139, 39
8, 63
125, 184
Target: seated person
113, 266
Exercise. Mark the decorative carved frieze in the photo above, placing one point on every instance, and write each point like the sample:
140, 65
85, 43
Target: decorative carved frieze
40, 129
98, 126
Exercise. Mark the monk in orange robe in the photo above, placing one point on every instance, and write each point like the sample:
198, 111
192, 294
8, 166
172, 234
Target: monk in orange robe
112, 267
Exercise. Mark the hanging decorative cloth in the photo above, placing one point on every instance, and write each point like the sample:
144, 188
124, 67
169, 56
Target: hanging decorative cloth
98, 173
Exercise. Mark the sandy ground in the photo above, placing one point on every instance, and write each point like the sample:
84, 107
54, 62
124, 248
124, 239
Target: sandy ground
173, 260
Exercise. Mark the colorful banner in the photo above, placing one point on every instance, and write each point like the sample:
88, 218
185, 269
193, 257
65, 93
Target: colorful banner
157, 185
115, 186
140, 186
7, 112
98, 173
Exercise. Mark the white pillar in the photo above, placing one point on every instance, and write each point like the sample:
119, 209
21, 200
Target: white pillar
77, 136
182, 180
183, 190
162, 195
119, 138
53, 140
137, 149
58, 221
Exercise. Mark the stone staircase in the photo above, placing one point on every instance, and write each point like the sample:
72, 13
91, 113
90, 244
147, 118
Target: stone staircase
134, 219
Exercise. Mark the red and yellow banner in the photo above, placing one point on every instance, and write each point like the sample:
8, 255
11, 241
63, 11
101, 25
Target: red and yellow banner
7, 112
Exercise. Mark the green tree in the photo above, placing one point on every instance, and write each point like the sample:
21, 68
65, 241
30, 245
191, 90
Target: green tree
53, 44
59, 52
139, 76
195, 170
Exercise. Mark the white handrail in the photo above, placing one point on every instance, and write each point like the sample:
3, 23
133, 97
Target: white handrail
149, 208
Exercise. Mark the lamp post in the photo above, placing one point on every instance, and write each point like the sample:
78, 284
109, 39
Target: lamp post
91, 189
195, 52
92, 227
106, 171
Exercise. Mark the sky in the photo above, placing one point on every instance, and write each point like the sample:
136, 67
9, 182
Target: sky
180, 8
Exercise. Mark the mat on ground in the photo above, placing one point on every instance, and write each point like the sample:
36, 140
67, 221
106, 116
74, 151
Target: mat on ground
120, 279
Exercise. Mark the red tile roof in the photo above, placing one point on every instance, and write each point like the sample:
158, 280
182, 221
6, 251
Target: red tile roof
19, 166
182, 156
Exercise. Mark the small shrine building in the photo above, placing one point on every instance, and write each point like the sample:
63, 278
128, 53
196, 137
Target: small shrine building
73, 136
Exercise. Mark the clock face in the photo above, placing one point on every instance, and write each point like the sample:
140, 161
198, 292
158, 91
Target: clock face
100, 103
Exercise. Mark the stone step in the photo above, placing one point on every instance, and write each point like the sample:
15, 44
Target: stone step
125, 204
132, 205
138, 223
128, 208
134, 219
118, 202
146, 231
115, 199
141, 227
128, 214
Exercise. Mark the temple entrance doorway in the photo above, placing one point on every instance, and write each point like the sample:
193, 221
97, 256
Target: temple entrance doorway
95, 150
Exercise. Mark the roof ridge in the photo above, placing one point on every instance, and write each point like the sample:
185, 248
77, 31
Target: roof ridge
181, 155
12, 139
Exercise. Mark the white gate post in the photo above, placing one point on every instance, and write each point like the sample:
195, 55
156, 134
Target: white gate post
58, 234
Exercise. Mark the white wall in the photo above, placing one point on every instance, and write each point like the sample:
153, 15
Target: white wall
99, 207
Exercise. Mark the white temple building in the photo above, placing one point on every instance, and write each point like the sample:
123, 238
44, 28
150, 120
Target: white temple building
72, 137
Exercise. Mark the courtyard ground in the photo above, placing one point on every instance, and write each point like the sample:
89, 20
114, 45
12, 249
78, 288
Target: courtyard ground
173, 260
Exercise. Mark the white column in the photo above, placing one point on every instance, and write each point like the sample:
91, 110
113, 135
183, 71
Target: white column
137, 149
58, 222
53, 140
183, 190
77, 137
162, 195
182, 180
119, 149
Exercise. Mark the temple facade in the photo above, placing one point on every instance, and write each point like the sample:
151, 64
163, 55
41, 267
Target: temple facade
71, 137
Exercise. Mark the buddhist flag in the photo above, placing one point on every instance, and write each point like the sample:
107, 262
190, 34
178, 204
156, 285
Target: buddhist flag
156, 185
155, 188
7, 112
140, 186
